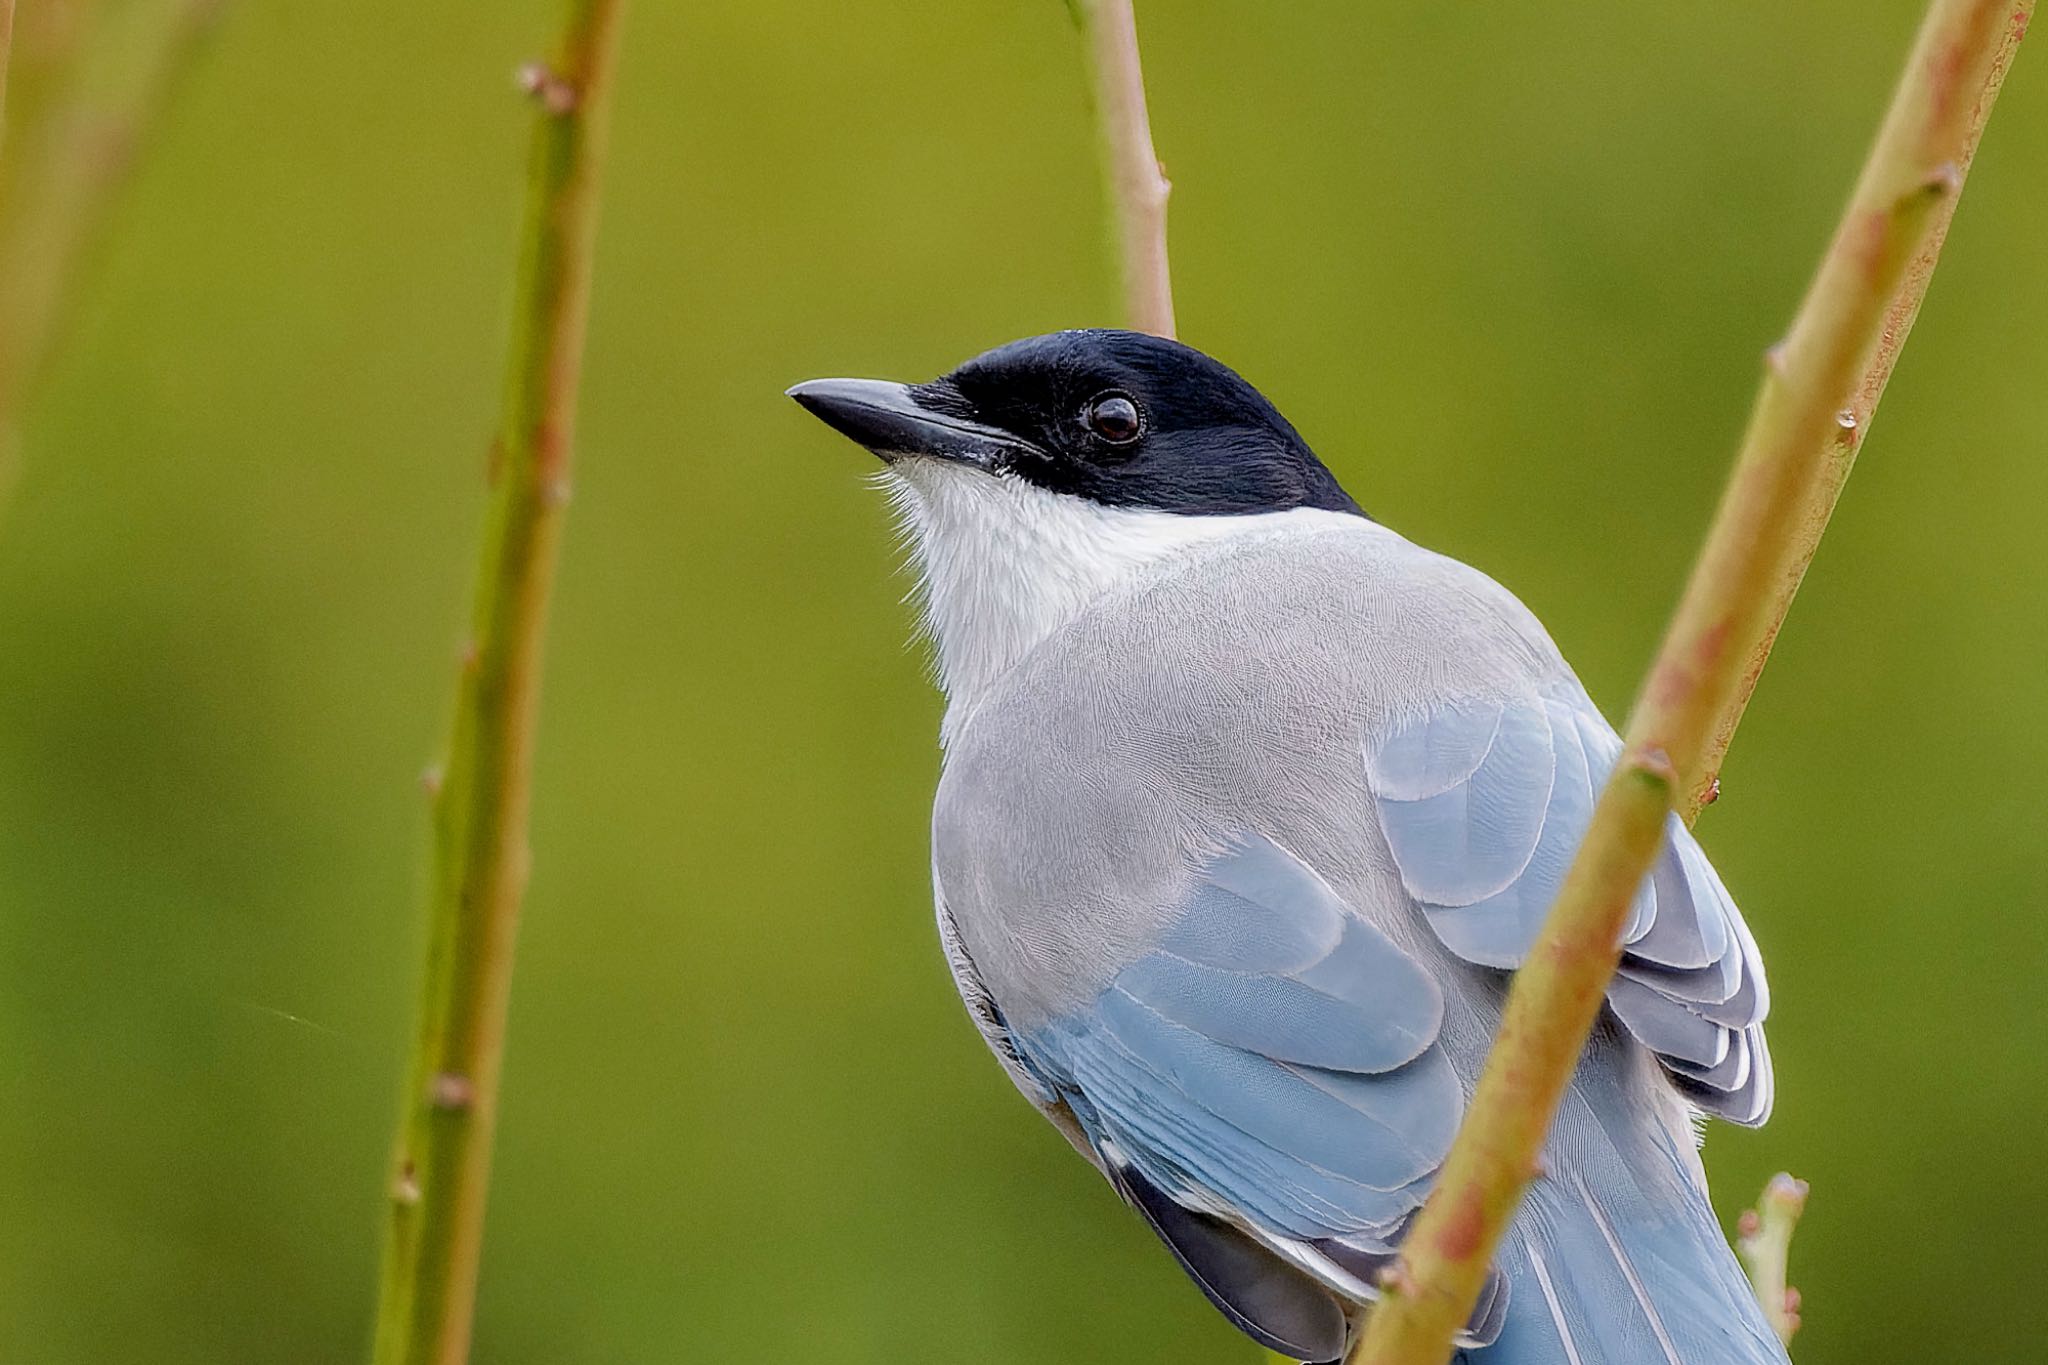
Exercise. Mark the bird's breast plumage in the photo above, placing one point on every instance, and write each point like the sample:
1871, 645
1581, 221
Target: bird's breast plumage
1230, 690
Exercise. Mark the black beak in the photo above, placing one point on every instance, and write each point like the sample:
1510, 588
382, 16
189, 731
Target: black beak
888, 419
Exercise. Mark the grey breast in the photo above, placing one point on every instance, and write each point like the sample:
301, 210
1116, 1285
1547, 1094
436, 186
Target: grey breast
1227, 695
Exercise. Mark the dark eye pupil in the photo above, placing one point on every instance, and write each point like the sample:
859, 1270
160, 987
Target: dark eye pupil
1115, 418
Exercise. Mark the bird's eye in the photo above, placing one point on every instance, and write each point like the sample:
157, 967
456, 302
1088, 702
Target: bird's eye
1114, 417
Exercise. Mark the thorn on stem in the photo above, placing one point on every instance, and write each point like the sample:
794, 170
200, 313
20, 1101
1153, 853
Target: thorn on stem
432, 778
1774, 359
469, 655
1395, 1279
1713, 791
451, 1091
406, 1189
555, 493
553, 92
1749, 1224
1943, 180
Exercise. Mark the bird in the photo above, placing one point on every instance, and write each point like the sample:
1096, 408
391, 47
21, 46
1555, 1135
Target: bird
1248, 809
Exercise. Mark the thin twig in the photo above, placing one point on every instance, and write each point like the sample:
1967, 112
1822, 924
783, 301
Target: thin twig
1766, 524
1764, 1241
6, 51
83, 114
1903, 125
441, 1167
1133, 184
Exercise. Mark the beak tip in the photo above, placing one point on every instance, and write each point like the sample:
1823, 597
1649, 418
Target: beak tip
888, 420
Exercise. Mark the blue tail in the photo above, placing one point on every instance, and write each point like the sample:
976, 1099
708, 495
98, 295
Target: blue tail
1616, 1257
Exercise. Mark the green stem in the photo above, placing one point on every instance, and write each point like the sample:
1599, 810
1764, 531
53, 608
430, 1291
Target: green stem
1769, 521
441, 1167
1764, 1241
1133, 186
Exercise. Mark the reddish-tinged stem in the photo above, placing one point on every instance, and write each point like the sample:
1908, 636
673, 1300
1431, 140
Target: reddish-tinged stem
2010, 23
1806, 425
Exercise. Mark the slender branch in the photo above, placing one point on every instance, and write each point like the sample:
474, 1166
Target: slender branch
1917, 109
1133, 184
82, 113
1764, 1241
441, 1167
6, 51
1767, 523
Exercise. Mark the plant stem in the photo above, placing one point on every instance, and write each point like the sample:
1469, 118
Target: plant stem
1921, 111
1133, 185
1769, 521
441, 1167
81, 117
6, 51
1764, 1241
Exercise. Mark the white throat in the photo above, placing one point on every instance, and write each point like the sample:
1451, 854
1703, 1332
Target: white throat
1003, 564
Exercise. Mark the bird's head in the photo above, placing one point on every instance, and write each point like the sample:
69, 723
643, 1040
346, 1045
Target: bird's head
1038, 476
1118, 419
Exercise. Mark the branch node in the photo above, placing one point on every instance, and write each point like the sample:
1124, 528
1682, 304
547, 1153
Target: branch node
1654, 763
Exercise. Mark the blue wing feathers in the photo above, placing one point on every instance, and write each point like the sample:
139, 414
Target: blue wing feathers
1421, 761
1691, 984
1287, 1018
1465, 842
1277, 1052
1274, 1065
1180, 1145
1251, 912
1619, 1261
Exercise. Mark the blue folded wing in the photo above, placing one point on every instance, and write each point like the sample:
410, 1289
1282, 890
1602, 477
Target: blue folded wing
1273, 1062
1483, 807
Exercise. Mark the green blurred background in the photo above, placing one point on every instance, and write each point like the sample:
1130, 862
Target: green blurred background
1509, 268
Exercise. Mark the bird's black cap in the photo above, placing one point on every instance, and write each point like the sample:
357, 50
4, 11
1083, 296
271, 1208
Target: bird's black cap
1123, 419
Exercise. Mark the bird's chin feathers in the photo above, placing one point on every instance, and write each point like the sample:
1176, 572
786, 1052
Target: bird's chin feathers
1001, 564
